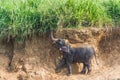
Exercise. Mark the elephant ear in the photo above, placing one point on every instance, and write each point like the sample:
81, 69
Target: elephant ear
65, 49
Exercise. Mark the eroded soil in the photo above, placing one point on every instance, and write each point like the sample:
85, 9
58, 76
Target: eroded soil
35, 58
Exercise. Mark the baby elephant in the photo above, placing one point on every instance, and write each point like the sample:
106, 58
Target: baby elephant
76, 55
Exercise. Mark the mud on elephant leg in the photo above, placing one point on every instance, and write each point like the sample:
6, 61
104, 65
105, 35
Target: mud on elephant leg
60, 65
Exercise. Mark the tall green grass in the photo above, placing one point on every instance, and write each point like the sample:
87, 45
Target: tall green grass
112, 8
83, 13
20, 18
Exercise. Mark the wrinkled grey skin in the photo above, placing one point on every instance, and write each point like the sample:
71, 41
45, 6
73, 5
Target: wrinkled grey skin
73, 55
76, 55
58, 42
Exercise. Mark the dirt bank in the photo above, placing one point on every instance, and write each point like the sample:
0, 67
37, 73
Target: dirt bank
35, 58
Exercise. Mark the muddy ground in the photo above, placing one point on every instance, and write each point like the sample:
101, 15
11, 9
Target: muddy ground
35, 58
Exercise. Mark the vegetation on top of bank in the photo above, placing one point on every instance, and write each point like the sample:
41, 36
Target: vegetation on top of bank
27, 17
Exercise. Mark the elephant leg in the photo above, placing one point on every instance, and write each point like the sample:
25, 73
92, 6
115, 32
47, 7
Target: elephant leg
61, 64
83, 69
